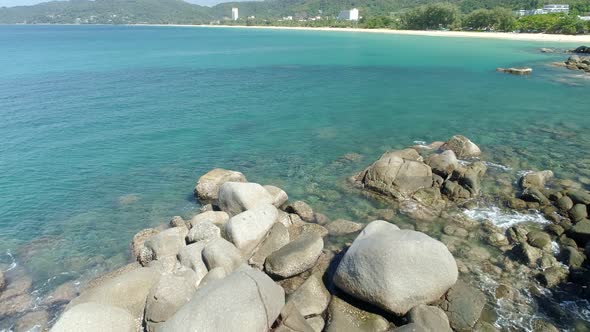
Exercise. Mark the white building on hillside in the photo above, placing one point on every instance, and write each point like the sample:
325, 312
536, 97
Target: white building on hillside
556, 8
234, 14
349, 15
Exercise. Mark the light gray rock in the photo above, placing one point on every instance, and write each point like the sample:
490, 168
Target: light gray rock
177, 221
311, 298
217, 218
215, 274
317, 323
301, 209
237, 197
221, 253
279, 196
207, 188
432, 319
95, 317
203, 231
127, 291
170, 293
292, 320
167, 242
277, 237
398, 174
343, 317
246, 300
462, 147
343, 227
247, 229
296, 257
395, 269
191, 257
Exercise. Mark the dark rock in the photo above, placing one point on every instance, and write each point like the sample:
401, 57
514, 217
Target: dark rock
579, 196
535, 195
552, 276
528, 254
580, 232
572, 257
582, 49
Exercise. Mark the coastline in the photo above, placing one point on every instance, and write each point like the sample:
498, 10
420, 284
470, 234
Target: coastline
432, 33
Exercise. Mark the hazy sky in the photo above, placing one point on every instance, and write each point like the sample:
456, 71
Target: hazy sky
10, 3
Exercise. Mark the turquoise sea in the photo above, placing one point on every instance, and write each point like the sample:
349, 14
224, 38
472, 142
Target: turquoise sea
104, 130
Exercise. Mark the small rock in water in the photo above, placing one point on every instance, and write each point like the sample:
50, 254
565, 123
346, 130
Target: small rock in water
516, 71
35, 321
128, 199
343, 227
301, 209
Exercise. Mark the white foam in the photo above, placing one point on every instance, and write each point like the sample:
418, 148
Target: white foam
420, 142
504, 219
497, 166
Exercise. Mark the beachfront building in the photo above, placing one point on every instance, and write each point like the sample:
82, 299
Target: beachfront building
234, 14
556, 9
547, 9
349, 15
584, 18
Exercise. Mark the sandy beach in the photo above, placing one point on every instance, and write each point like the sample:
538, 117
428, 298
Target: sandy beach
457, 34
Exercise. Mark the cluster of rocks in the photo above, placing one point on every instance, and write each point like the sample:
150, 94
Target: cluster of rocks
576, 62
426, 179
567, 209
254, 261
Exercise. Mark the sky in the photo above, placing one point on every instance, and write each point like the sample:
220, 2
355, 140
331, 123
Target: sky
12, 3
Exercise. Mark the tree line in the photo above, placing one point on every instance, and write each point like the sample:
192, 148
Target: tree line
446, 16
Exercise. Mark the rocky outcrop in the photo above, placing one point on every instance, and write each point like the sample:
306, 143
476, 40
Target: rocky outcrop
251, 298
207, 188
582, 50
576, 62
397, 174
395, 269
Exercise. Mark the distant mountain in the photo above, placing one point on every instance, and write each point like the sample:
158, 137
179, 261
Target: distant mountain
107, 12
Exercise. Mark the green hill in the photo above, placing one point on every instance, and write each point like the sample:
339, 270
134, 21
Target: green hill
107, 12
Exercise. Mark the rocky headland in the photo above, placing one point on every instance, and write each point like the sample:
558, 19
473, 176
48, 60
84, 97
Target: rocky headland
254, 260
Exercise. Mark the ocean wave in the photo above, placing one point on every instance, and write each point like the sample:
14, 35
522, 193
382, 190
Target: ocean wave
497, 166
503, 218
13, 264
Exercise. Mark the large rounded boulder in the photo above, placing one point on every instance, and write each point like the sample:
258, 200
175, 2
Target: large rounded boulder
462, 147
395, 269
207, 188
397, 174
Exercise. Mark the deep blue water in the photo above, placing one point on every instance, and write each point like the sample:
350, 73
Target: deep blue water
105, 130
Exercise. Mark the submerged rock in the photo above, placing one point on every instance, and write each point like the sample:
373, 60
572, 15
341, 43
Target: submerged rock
535, 179
396, 269
246, 300
207, 188
35, 321
343, 227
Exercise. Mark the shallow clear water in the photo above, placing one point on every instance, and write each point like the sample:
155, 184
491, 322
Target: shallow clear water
105, 130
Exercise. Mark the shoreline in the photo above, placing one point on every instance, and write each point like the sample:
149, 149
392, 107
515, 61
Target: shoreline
430, 33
